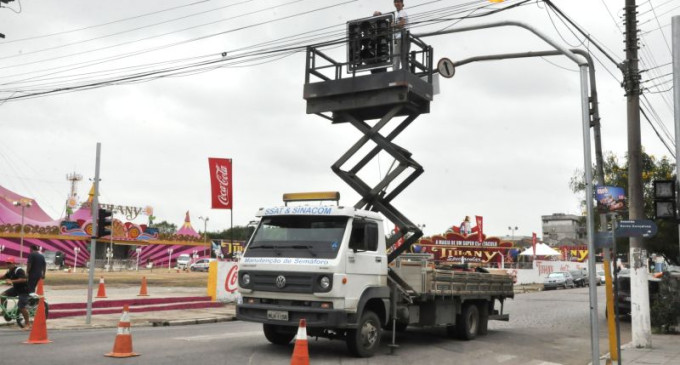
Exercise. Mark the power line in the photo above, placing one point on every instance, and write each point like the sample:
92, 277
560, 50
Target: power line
105, 24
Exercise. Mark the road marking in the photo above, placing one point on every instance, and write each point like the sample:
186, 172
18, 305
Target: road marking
219, 336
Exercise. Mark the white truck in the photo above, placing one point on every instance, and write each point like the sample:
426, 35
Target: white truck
329, 265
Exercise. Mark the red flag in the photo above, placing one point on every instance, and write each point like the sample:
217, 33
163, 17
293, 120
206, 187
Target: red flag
220, 183
533, 242
480, 228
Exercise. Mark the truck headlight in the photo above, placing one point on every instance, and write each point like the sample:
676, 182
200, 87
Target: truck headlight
325, 282
245, 279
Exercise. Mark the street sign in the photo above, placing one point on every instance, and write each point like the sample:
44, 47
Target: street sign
636, 228
446, 68
604, 239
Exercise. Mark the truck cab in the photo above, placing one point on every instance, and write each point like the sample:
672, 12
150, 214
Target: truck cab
322, 263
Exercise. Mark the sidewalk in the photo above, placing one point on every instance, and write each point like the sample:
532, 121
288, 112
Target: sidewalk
665, 351
225, 312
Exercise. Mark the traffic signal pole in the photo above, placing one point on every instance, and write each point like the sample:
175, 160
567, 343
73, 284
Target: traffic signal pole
675, 21
93, 243
586, 123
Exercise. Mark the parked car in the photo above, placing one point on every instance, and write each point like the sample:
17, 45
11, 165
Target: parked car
580, 277
600, 277
558, 279
183, 261
623, 288
201, 265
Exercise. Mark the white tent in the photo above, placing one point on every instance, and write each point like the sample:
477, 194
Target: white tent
541, 250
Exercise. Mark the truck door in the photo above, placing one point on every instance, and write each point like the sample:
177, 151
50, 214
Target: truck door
366, 266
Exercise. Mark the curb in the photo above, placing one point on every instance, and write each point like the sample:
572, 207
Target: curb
184, 322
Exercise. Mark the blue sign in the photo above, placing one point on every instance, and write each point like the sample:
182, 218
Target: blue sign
610, 198
604, 239
636, 228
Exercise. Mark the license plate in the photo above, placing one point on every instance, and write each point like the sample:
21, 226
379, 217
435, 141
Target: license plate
277, 315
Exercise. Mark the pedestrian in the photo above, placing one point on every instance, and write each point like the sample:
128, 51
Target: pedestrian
400, 22
16, 277
466, 226
35, 266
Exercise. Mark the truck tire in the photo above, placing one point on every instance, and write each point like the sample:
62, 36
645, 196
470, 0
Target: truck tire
278, 335
467, 323
365, 339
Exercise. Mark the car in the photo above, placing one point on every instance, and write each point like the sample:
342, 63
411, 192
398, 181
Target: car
558, 279
201, 264
580, 277
183, 261
623, 297
600, 277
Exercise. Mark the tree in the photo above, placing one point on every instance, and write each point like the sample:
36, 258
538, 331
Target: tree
165, 227
616, 174
241, 233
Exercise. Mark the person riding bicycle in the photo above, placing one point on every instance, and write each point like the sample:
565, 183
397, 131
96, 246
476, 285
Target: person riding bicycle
16, 277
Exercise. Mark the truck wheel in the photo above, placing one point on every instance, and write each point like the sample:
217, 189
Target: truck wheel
467, 324
278, 335
365, 340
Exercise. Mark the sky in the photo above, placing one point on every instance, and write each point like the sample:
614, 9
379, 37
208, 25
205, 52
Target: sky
502, 139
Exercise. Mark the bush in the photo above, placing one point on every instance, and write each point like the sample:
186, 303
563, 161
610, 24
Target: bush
665, 312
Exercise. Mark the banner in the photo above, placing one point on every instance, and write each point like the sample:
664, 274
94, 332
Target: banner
533, 242
610, 198
220, 183
480, 230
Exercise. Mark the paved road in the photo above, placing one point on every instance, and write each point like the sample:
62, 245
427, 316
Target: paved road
545, 328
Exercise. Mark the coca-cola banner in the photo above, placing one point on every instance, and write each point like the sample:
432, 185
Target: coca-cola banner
220, 183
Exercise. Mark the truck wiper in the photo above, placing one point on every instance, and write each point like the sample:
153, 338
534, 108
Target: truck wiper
308, 247
275, 247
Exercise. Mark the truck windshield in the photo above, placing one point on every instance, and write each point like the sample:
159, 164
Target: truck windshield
298, 236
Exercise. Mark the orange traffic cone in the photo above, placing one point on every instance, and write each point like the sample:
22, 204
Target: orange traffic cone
39, 330
101, 292
122, 347
142, 290
301, 350
40, 290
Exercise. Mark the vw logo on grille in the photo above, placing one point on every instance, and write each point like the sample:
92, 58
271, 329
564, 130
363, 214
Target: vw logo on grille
280, 281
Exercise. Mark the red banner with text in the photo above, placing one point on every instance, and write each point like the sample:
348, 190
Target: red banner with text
220, 183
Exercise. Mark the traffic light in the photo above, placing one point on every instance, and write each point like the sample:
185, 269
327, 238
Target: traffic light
664, 199
369, 42
104, 222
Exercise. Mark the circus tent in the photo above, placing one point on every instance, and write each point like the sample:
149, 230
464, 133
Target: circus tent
11, 214
67, 235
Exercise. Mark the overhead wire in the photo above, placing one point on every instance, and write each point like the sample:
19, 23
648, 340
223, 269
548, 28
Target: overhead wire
27, 53
106, 82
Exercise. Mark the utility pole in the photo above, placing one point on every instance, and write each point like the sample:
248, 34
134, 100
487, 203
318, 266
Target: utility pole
640, 318
675, 21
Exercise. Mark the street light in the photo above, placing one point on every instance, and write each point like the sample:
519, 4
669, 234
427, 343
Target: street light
512, 230
75, 260
139, 252
205, 232
23, 205
169, 257
109, 254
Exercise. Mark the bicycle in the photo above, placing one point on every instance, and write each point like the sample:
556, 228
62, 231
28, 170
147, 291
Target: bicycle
11, 309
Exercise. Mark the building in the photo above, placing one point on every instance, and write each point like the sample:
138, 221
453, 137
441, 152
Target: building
563, 229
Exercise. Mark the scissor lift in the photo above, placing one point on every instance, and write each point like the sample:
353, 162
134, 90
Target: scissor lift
383, 96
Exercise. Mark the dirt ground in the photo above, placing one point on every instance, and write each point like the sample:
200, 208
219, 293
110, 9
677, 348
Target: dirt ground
156, 277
